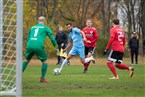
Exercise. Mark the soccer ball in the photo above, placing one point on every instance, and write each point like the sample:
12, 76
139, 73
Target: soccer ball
56, 71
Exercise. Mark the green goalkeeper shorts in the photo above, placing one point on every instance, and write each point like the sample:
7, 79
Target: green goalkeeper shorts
39, 52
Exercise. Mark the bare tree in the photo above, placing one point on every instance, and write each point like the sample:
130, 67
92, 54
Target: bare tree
129, 14
103, 18
142, 18
109, 14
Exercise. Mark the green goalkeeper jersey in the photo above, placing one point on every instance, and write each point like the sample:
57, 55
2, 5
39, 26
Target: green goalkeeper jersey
37, 36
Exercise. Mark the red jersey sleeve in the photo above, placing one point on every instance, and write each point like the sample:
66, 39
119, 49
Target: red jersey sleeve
112, 35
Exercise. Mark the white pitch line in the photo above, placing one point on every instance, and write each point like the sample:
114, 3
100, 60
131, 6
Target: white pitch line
99, 75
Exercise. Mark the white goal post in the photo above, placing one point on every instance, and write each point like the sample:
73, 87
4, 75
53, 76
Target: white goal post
11, 36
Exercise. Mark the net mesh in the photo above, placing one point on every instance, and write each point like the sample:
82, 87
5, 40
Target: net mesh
8, 47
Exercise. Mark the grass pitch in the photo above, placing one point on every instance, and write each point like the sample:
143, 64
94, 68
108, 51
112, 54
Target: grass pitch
73, 83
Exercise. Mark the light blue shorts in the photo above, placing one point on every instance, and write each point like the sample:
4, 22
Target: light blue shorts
78, 51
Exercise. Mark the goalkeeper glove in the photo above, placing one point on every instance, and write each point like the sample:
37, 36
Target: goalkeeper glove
57, 50
105, 51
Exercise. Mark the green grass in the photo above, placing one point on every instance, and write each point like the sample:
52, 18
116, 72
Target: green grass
73, 83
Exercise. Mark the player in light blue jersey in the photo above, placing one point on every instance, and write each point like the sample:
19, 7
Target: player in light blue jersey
76, 38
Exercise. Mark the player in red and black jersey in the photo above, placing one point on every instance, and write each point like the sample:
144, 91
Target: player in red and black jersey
117, 41
92, 37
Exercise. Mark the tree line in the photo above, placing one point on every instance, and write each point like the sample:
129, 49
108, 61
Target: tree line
60, 12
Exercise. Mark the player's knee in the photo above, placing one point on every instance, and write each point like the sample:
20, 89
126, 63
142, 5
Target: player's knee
89, 54
44, 61
109, 62
68, 58
116, 64
82, 61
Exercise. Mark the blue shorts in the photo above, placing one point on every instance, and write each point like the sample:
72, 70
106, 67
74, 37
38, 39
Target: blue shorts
78, 51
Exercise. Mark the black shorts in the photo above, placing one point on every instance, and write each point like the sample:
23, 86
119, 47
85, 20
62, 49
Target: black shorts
115, 56
89, 50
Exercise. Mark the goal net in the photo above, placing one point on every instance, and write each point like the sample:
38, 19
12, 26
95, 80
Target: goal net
11, 21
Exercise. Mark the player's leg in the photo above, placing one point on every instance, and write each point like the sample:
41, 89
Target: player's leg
73, 51
29, 54
86, 67
112, 69
65, 56
112, 58
86, 60
86, 64
42, 56
80, 52
44, 68
65, 61
24, 64
89, 53
125, 67
122, 66
118, 62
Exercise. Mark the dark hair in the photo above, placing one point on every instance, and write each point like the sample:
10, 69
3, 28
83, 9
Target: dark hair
116, 21
69, 24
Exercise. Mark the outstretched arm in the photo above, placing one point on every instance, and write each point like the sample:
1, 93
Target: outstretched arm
68, 46
112, 35
52, 38
53, 41
83, 34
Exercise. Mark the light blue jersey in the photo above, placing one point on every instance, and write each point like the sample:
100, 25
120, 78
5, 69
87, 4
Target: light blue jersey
76, 37
78, 46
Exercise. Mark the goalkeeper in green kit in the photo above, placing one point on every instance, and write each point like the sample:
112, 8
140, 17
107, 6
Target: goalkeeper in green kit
35, 45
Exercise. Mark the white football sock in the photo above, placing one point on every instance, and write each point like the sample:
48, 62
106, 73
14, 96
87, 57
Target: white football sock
89, 59
64, 63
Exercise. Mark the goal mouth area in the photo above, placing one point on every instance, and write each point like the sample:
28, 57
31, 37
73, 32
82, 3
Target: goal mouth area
8, 92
